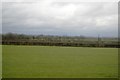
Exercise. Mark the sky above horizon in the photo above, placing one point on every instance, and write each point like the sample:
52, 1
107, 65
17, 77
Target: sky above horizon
52, 17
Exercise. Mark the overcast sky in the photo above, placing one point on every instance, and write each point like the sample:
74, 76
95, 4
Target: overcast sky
52, 17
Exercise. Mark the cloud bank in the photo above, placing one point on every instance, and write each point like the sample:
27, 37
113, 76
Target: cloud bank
53, 17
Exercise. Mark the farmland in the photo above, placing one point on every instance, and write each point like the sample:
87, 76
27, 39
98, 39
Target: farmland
0, 61
59, 62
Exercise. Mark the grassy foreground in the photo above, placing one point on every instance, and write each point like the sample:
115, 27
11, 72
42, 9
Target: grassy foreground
65, 62
0, 61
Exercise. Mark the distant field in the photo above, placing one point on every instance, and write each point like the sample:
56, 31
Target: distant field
65, 62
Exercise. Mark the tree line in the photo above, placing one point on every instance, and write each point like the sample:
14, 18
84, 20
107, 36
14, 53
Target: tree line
50, 40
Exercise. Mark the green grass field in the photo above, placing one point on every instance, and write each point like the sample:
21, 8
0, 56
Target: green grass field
0, 61
59, 62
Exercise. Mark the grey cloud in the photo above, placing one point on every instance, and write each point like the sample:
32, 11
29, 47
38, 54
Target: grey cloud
62, 18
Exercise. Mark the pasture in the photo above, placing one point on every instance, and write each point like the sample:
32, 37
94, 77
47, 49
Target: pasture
0, 61
59, 62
